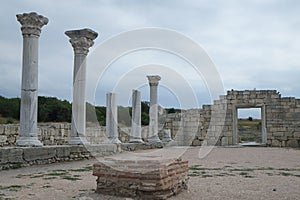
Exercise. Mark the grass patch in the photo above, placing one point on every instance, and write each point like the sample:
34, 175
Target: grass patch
14, 188
84, 169
70, 178
243, 174
57, 173
242, 170
46, 186
285, 174
50, 178
207, 175
193, 174
265, 168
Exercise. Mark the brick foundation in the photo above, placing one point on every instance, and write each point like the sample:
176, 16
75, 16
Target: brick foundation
141, 176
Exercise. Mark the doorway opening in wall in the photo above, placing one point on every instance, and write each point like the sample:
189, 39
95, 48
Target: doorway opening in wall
249, 125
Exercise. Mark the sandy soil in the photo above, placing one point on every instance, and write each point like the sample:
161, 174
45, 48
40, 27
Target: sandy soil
224, 173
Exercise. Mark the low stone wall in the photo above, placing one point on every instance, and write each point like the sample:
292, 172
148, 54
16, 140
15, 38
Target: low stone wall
16, 157
59, 133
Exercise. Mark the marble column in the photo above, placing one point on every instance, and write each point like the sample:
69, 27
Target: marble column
81, 41
153, 113
31, 30
112, 133
136, 128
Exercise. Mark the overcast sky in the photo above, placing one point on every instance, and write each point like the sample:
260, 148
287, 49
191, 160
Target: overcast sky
253, 44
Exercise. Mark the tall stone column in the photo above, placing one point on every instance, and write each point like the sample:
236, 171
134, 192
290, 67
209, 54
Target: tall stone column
153, 124
31, 30
112, 119
136, 129
81, 41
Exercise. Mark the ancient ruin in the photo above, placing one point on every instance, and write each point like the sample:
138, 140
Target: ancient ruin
31, 30
151, 176
153, 122
81, 41
140, 176
217, 124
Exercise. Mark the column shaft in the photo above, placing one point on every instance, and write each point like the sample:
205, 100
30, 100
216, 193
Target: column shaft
136, 129
81, 41
78, 126
31, 29
153, 112
112, 119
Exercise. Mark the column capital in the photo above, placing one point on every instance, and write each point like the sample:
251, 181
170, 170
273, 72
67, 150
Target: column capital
31, 23
82, 39
153, 80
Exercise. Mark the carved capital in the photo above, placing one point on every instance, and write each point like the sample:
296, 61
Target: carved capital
81, 40
31, 23
153, 80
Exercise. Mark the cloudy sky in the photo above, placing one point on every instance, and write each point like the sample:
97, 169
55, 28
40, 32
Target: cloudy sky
252, 44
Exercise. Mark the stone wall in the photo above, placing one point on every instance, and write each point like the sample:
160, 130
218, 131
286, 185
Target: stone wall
16, 157
214, 124
217, 124
59, 133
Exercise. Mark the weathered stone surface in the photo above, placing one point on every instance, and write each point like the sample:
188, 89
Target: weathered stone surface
81, 41
31, 29
39, 153
141, 176
11, 155
293, 143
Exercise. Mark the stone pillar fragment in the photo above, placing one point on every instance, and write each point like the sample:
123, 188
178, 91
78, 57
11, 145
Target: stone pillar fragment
153, 113
31, 30
112, 133
136, 129
81, 41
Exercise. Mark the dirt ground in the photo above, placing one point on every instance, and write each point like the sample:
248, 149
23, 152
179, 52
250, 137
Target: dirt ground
215, 173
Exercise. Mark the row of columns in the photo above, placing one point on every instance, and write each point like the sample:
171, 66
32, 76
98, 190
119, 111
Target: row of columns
81, 41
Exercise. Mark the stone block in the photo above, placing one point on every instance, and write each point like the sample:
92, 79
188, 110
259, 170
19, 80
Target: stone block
141, 176
11, 155
276, 143
293, 143
39, 153
63, 151
196, 143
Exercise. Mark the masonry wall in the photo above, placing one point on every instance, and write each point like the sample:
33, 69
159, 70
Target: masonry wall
59, 133
214, 124
217, 124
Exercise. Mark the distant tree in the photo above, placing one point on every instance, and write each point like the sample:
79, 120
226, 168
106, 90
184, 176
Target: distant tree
10, 108
250, 118
171, 110
51, 109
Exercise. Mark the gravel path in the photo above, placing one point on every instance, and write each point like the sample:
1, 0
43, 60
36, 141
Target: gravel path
224, 173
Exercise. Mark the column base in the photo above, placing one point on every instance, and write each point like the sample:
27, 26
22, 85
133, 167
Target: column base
154, 139
112, 141
167, 140
135, 140
78, 141
29, 142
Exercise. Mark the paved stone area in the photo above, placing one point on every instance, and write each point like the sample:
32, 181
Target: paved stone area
224, 173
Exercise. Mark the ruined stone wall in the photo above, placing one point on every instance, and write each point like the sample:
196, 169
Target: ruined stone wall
217, 124
214, 124
59, 133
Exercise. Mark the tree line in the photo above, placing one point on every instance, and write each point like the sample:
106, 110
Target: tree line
51, 109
